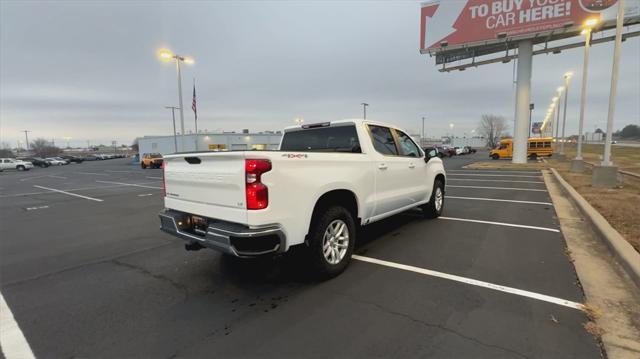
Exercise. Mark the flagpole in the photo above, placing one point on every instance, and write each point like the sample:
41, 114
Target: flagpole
195, 112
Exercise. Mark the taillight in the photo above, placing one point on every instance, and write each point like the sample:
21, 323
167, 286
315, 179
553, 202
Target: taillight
257, 192
164, 186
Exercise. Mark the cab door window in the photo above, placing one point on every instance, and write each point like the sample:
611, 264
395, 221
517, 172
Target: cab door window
407, 146
383, 140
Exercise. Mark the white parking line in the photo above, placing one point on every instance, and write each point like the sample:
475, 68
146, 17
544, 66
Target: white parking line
514, 189
70, 194
52, 176
31, 178
122, 171
92, 173
478, 283
491, 180
485, 175
498, 200
12, 341
154, 178
71, 189
500, 224
130, 184
145, 195
35, 208
486, 171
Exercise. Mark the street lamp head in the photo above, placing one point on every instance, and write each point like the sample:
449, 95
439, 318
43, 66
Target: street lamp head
165, 55
560, 89
591, 22
555, 99
188, 60
568, 75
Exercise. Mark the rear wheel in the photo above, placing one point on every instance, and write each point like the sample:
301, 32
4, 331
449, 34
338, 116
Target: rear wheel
331, 241
433, 209
533, 156
20, 168
495, 156
143, 165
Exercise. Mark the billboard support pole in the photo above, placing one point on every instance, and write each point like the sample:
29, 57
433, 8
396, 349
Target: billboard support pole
523, 97
606, 174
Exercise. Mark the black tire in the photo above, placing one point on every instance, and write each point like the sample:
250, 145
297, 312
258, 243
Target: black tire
20, 168
533, 156
433, 209
495, 156
320, 265
143, 165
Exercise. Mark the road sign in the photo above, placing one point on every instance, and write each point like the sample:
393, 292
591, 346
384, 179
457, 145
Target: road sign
469, 28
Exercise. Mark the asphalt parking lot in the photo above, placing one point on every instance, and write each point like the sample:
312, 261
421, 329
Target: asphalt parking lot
86, 272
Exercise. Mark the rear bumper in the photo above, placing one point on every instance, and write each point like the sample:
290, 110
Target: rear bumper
227, 237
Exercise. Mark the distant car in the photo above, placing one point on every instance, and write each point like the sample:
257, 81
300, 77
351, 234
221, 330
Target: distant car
13, 164
91, 158
459, 150
441, 151
72, 159
152, 160
448, 151
56, 161
469, 149
37, 161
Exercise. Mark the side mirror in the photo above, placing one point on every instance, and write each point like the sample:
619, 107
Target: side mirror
430, 154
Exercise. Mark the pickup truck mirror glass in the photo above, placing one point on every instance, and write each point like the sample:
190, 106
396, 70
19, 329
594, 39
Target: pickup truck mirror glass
430, 154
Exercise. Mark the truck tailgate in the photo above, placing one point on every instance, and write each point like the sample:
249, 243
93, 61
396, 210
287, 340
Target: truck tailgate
207, 184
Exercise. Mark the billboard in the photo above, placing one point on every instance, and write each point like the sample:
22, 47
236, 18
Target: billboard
486, 24
536, 127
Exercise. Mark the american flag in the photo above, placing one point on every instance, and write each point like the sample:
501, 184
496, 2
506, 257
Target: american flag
193, 103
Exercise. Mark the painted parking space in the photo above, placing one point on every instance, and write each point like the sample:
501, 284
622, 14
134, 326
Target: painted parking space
447, 279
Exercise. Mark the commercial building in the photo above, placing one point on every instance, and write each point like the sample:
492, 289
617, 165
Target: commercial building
210, 142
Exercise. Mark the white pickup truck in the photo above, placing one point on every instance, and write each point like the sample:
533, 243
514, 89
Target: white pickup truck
324, 181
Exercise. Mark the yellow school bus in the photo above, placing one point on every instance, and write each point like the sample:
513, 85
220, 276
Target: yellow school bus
536, 147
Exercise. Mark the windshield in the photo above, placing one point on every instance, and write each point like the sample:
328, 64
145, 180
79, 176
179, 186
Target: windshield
322, 139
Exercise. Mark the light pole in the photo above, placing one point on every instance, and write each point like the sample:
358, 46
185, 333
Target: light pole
531, 106
577, 165
364, 109
422, 138
67, 138
167, 55
173, 115
556, 102
299, 121
26, 137
567, 81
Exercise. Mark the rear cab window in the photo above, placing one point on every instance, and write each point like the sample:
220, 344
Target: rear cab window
337, 138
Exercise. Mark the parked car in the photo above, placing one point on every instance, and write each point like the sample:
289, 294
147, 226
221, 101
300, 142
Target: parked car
459, 150
72, 159
14, 164
56, 161
151, 160
324, 182
449, 151
91, 158
469, 149
37, 161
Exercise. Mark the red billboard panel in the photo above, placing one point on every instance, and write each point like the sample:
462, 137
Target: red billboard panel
452, 24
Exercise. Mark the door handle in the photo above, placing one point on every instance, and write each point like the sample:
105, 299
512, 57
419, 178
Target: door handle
411, 165
382, 166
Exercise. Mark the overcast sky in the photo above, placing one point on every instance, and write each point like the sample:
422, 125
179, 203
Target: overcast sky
88, 70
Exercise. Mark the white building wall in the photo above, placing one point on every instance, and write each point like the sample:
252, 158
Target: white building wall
209, 142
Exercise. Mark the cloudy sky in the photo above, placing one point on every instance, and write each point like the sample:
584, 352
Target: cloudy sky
88, 70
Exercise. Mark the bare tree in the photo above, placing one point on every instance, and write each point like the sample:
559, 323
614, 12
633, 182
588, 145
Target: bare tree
492, 128
43, 148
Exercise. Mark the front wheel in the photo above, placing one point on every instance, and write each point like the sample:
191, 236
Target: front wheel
20, 168
143, 165
495, 156
331, 241
433, 209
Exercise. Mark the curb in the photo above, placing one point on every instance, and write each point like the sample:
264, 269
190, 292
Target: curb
621, 249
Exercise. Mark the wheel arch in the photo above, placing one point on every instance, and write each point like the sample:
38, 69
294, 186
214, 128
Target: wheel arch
343, 197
